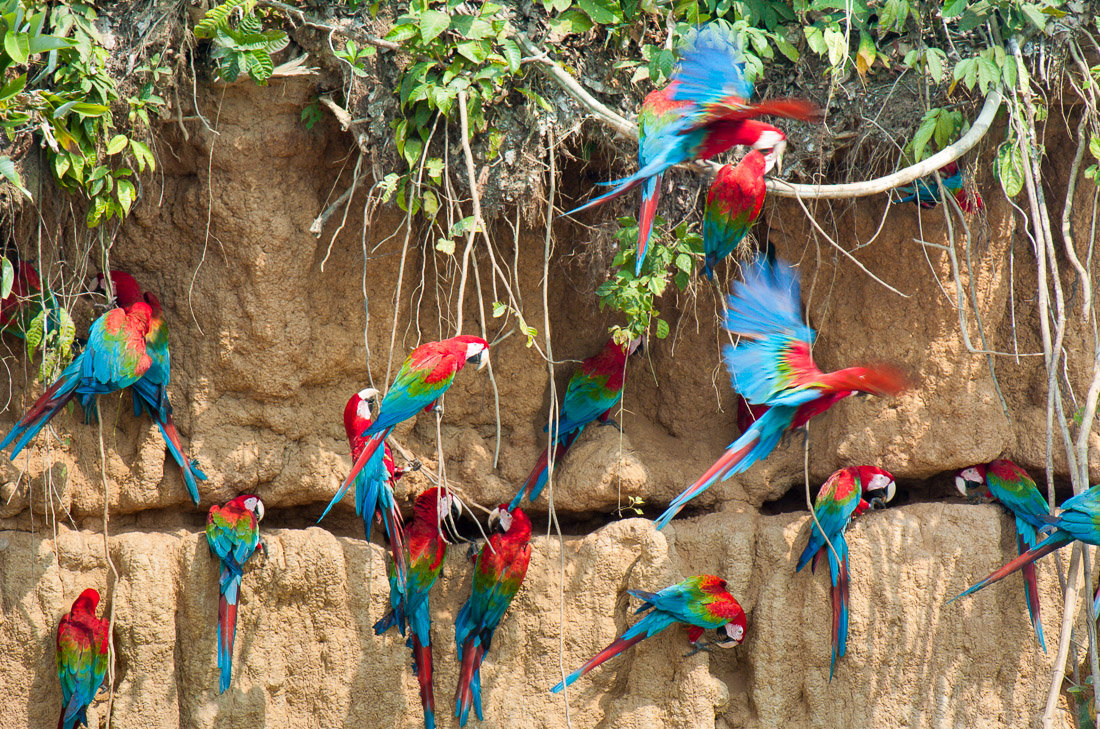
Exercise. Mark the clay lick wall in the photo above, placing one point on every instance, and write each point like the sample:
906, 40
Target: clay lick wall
267, 345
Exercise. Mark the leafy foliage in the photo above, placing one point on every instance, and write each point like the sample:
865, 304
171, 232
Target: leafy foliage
56, 87
635, 296
241, 43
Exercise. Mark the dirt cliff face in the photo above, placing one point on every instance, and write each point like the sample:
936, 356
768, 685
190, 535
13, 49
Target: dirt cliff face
267, 345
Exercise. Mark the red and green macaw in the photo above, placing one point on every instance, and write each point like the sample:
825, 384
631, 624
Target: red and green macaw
115, 358
846, 494
1004, 481
424, 377
702, 602
426, 538
233, 535
150, 393
703, 112
373, 490
734, 203
82, 655
20, 306
498, 573
592, 393
926, 193
1078, 519
772, 365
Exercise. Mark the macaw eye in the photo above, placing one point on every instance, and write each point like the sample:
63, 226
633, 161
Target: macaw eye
735, 632
505, 520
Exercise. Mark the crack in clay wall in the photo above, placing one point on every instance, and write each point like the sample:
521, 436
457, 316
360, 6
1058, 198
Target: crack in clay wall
258, 397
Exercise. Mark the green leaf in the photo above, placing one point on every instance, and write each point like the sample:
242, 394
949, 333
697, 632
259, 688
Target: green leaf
1035, 15
7, 278
1010, 169
499, 309
432, 25
512, 53
953, 8
683, 262
18, 46
8, 171
1094, 146
13, 87
473, 50
571, 21
462, 227
143, 155
786, 48
126, 195
93, 110
117, 144
447, 246
924, 133
471, 27
34, 331
604, 12
662, 329
402, 33
413, 148
836, 46
934, 58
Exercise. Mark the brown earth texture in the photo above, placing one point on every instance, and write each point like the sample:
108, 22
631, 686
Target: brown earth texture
267, 337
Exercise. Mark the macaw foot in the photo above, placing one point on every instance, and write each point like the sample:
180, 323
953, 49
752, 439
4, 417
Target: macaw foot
415, 465
613, 423
263, 547
700, 645
471, 551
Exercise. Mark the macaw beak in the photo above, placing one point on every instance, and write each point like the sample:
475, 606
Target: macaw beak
482, 359
493, 521
779, 162
449, 522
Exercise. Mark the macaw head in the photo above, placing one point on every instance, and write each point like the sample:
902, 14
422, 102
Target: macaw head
635, 345
476, 349
732, 633
970, 482
877, 484
86, 602
359, 412
512, 522
125, 287
771, 142
251, 502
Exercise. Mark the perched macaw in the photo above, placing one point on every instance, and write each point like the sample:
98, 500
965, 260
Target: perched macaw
233, 534
426, 548
593, 392
82, 656
926, 193
498, 573
734, 203
115, 357
772, 366
703, 111
150, 393
847, 493
373, 490
23, 303
1004, 481
1079, 518
426, 374
702, 602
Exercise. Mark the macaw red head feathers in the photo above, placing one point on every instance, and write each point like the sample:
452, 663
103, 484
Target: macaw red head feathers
86, 602
881, 380
970, 202
511, 522
474, 350
125, 287
358, 413
249, 502
877, 484
437, 508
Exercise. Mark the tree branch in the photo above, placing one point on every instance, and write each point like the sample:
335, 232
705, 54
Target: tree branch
778, 187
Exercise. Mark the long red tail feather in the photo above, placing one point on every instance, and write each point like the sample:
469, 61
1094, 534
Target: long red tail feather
422, 655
